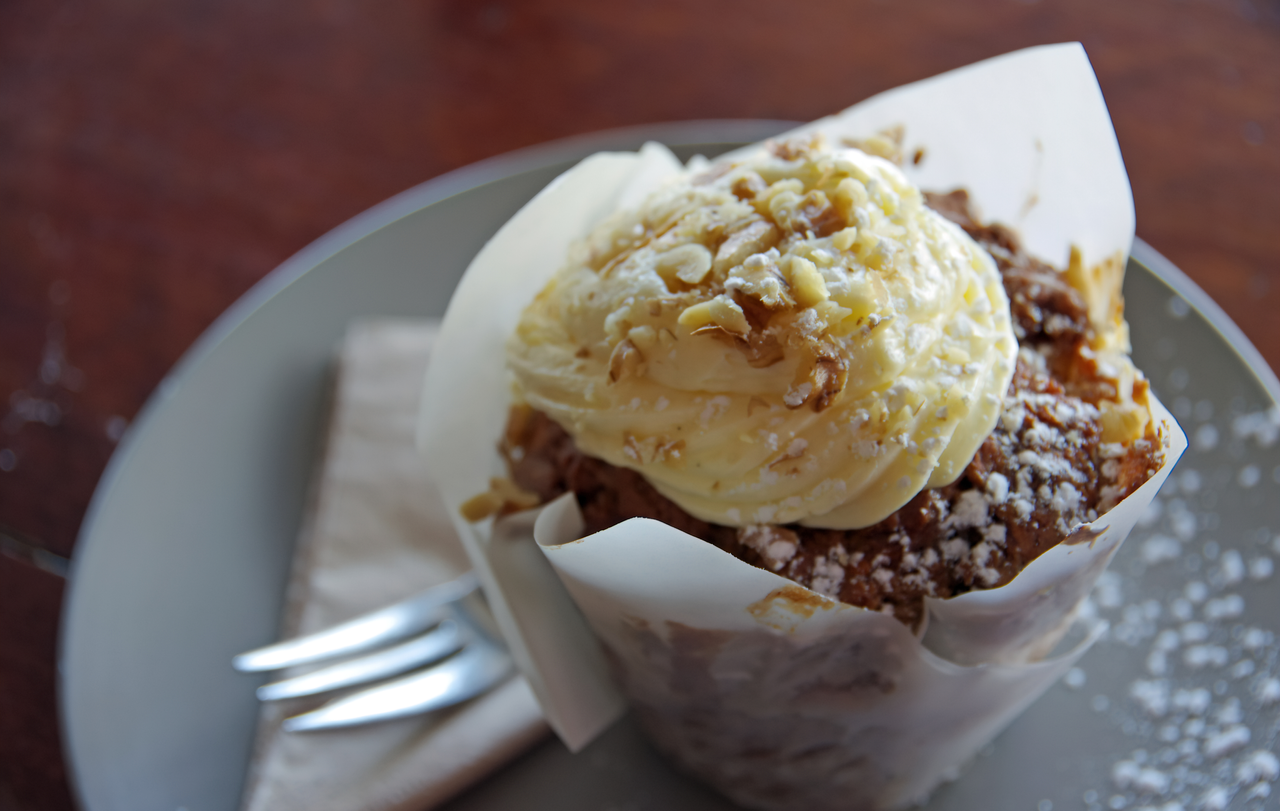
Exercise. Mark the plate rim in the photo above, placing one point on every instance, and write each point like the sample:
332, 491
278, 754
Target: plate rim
1202, 302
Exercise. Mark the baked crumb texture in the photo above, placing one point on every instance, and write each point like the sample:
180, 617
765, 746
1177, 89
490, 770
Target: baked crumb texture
1042, 472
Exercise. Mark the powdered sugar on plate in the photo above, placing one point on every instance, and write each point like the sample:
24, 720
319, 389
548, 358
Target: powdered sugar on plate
1193, 616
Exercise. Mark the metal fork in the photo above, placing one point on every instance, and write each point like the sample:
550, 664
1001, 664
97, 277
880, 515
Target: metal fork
437, 624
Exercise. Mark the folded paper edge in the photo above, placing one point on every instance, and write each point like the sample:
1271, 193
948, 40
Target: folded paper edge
557, 529
547, 634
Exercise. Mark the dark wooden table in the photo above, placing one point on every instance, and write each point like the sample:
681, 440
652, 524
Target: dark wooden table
158, 158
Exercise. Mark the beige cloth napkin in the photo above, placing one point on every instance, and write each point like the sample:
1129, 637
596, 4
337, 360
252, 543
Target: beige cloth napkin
377, 533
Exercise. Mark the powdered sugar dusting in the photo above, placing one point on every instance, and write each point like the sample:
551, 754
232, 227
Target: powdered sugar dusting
1190, 606
1185, 688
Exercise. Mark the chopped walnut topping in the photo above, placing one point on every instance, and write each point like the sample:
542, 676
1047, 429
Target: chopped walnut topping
821, 380
625, 360
760, 279
794, 149
748, 186
652, 449
685, 265
887, 144
756, 237
811, 216
719, 315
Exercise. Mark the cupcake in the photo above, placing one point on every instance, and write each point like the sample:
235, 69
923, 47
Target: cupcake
825, 460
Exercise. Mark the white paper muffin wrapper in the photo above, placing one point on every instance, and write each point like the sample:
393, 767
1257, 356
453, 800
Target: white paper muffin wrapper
779, 696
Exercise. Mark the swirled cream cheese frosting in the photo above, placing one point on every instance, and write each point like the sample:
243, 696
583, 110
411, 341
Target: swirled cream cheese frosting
794, 337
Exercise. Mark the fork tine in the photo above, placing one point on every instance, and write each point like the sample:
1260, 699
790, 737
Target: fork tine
389, 624
473, 671
445, 639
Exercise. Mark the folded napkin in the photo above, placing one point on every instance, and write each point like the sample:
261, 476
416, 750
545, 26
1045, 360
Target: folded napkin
377, 533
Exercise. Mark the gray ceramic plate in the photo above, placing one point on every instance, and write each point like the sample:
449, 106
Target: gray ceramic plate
185, 551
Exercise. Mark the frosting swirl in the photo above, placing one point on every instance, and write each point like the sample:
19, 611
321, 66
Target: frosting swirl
794, 337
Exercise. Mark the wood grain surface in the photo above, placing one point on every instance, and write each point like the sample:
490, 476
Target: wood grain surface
159, 158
